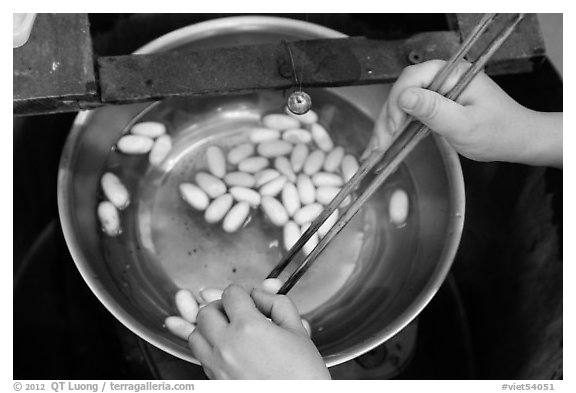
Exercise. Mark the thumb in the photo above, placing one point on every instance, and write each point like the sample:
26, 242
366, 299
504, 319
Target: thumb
280, 309
441, 114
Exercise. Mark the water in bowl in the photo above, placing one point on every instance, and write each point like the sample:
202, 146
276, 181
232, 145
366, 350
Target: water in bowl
167, 245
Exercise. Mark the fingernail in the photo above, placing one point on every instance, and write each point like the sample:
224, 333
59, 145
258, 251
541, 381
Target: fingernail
409, 100
366, 153
391, 125
372, 144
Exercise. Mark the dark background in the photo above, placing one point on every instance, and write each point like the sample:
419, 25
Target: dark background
498, 316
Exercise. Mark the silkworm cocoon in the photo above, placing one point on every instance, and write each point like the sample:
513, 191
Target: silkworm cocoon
239, 179
216, 161
134, 144
311, 243
321, 137
314, 162
265, 176
218, 208
252, 164
309, 117
160, 150
273, 187
297, 135
306, 189
150, 129
282, 164
115, 191
210, 295
324, 195
194, 196
349, 167
274, 210
328, 224
272, 285
179, 327
325, 179
274, 148
298, 157
398, 207
109, 218
291, 234
258, 135
290, 198
211, 185
334, 159
187, 305
236, 217
243, 194
240, 152
279, 121
307, 213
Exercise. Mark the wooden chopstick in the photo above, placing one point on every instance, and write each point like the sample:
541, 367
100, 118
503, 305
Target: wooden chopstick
377, 155
410, 135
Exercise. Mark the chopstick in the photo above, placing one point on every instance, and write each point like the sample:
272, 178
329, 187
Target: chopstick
377, 156
410, 134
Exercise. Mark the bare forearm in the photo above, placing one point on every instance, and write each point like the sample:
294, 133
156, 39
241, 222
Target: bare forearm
545, 146
485, 124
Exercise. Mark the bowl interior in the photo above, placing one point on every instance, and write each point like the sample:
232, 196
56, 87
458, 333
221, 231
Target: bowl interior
369, 283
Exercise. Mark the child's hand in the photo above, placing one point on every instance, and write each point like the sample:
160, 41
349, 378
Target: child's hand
484, 125
234, 340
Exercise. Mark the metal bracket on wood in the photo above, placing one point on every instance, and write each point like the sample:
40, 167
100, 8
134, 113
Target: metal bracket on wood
56, 70
319, 63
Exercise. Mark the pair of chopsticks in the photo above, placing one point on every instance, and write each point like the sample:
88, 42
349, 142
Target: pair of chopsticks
385, 162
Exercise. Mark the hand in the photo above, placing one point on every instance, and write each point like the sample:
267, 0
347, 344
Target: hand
235, 340
485, 124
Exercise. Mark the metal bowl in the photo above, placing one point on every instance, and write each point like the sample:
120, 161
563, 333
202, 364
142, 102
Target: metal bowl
369, 284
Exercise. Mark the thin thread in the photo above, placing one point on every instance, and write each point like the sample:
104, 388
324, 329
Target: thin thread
298, 83
307, 18
301, 75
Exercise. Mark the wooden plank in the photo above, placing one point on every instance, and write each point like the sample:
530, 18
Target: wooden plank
55, 71
319, 63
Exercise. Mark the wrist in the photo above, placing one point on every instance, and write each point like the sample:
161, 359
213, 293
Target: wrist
544, 142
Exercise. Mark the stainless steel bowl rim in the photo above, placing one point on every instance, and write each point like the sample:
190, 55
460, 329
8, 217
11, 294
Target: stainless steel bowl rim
205, 29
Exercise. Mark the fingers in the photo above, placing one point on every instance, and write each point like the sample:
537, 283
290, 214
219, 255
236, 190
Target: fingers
391, 117
238, 304
280, 309
370, 146
201, 349
416, 76
211, 321
383, 134
209, 373
442, 115
419, 75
